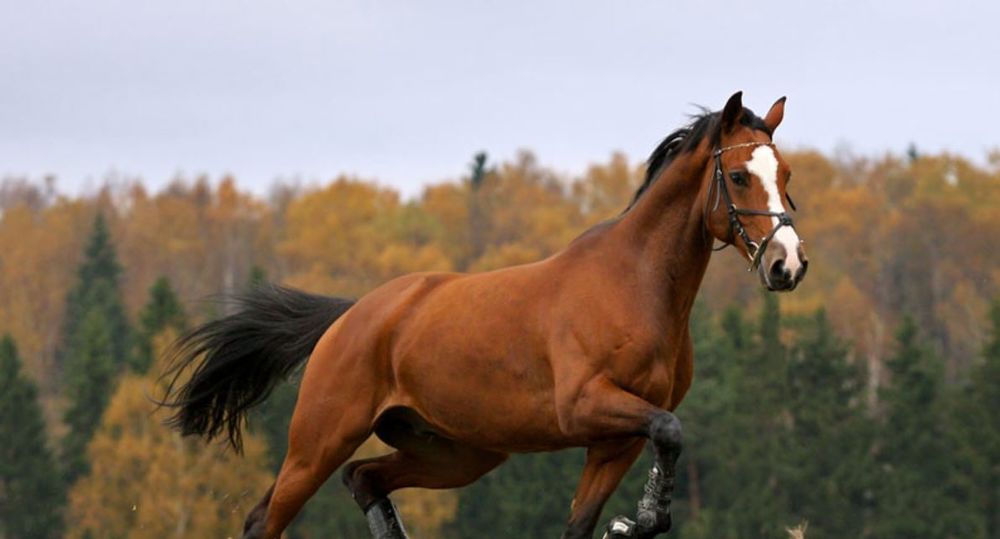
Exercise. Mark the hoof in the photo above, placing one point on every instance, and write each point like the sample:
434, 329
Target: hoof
620, 527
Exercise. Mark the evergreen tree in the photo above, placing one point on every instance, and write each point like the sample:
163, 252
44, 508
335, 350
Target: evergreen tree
829, 463
97, 287
976, 438
95, 347
30, 490
914, 495
528, 496
163, 310
89, 383
744, 487
986, 397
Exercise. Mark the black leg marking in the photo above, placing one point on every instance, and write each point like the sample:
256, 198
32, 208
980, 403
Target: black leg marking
384, 522
653, 515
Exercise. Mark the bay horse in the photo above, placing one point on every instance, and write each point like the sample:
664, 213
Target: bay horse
587, 348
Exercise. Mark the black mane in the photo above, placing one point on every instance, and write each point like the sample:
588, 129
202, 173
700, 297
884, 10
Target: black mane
686, 139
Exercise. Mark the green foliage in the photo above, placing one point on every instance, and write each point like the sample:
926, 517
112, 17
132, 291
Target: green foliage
330, 513
776, 427
89, 383
975, 435
915, 492
97, 287
96, 345
163, 310
529, 496
775, 434
828, 466
31, 493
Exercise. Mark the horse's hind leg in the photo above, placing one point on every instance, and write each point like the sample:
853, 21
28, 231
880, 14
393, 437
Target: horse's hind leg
372, 480
312, 456
423, 460
317, 446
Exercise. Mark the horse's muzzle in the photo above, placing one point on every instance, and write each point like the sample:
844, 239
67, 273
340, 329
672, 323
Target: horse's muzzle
777, 274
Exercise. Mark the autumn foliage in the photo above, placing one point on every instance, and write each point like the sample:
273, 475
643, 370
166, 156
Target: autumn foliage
889, 239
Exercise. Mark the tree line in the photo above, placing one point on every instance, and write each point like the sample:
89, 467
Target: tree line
863, 404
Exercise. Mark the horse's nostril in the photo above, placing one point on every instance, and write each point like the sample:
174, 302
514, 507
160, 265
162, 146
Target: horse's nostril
779, 272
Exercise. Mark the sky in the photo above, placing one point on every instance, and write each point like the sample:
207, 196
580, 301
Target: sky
404, 92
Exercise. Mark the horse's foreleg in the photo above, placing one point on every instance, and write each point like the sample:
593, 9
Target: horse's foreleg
654, 507
602, 410
423, 462
606, 465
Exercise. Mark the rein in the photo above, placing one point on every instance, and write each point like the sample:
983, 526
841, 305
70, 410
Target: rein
754, 249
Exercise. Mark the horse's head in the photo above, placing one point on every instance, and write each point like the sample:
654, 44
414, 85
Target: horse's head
745, 197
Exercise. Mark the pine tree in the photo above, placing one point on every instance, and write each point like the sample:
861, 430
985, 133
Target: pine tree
975, 436
916, 464
829, 464
745, 489
163, 310
100, 265
96, 345
89, 383
986, 396
528, 496
31, 493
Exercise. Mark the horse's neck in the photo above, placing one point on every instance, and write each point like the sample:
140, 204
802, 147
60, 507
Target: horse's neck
665, 230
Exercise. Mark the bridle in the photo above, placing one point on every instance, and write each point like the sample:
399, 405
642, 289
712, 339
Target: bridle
755, 250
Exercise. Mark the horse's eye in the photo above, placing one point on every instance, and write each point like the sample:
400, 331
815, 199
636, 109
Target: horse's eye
739, 178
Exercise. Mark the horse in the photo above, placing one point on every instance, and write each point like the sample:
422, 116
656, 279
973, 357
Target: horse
589, 347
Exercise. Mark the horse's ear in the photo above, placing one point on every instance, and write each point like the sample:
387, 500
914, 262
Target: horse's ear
732, 111
774, 116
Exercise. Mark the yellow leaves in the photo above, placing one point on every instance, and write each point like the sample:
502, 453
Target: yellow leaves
506, 255
39, 250
339, 230
425, 512
148, 482
398, 260
606, 189
354, 235
884, 236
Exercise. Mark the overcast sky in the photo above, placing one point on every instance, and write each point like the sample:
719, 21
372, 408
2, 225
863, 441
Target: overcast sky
406, 91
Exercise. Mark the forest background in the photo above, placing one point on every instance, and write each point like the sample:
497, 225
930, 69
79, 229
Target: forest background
864, 403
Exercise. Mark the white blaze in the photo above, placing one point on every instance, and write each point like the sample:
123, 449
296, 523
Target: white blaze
764, 164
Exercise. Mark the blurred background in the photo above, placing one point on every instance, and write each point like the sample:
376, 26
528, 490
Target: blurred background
153, 154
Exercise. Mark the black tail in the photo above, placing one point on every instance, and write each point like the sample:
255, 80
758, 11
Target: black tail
240, 358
